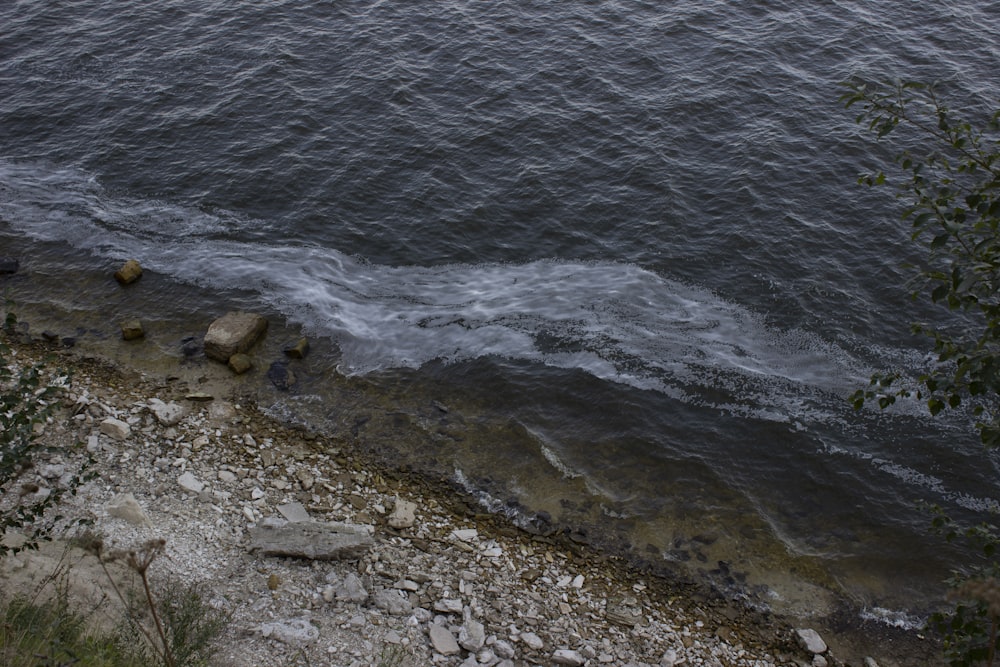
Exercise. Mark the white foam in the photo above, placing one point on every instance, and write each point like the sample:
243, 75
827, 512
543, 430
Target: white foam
893, 618
616, 321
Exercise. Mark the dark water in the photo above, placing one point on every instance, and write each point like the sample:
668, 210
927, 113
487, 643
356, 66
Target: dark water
631, 230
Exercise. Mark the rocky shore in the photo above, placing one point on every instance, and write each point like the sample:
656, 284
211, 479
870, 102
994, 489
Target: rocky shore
322, 556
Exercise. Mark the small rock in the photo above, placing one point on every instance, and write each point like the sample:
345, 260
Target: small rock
472, 636
567, 657
448, 606
394, 602
199, 397
125, 506
189, 482
199, 443
115, 428
294, 512
443, 641
820, 661
465, 534
240, 363
129, 273
226, 476
132, 330
352, 589
670, 658
403, 514
532, 641
299, 350
295, 632
870, 662
306, 480
52, 470
810, 640
168, 414
622, 616
503, 649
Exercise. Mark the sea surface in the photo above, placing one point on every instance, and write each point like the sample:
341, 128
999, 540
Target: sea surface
629, 233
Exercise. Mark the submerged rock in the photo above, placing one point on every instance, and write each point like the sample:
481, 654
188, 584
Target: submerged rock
281, 376
132, 330
9, 265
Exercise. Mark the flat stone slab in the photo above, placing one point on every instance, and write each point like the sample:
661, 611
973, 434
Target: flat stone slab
311, 539
443, 641
233, 333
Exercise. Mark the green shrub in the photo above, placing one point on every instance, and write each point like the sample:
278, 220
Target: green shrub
28, 397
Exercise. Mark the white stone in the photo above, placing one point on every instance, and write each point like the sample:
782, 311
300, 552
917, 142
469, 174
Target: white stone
294, 512
472, 636
810, 640
669, 659
115, 428
296, 631
125, 506
52, 470
168, 414
532, 641
443, 641
503, 649
465, 534
403, 514
226, 476
189, 482
578, 581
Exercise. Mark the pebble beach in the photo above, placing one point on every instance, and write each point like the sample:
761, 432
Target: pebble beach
425, 576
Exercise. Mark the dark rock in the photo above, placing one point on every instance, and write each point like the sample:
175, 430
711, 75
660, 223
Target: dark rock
190, 346
50, 336
129, 273
313, 540
233, 333
9, 265
281, 376
299, 350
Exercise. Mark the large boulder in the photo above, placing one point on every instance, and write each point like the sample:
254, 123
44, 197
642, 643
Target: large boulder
233, 333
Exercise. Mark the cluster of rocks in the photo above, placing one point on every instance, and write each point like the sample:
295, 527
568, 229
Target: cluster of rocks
320, 558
